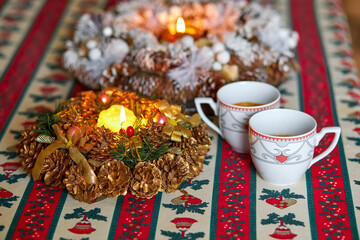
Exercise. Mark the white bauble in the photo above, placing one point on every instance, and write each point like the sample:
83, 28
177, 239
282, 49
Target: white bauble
107, 31
217, 66
187, 41
94, 54
218, 47
223, 57
91, 44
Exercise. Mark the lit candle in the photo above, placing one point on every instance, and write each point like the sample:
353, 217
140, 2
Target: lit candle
180, 25
174, 31
116, 117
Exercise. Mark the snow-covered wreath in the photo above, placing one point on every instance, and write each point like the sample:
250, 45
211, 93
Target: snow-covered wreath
130, 48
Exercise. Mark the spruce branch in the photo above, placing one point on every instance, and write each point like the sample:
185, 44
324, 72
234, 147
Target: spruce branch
47, 119
132, 155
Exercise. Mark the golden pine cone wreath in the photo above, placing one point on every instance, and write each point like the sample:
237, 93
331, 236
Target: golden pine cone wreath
110, 142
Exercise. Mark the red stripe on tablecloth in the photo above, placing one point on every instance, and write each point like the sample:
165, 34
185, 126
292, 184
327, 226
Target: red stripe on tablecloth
234, 195
26, 61
135, 218
1, 3
38, 212
112, 3
330, 207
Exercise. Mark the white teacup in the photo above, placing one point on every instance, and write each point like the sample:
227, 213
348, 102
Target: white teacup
282, 143
233, 119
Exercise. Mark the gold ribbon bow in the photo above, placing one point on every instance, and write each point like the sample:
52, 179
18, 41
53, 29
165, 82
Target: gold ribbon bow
174, 114
72, 145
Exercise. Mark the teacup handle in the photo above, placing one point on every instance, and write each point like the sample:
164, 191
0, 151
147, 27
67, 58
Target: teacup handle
320, 135
210, 101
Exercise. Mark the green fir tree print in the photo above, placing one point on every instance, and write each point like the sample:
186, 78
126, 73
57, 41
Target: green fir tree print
39, 98
91, 214
285, 193
9, 154
13, 178
177, 236
288, 219
193, 184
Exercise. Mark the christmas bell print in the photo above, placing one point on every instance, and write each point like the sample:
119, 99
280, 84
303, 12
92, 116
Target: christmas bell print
10, 167
183, 224
82, 227
283, 232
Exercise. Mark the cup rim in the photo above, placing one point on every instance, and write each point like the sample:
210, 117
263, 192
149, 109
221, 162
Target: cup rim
251, 108
280, 138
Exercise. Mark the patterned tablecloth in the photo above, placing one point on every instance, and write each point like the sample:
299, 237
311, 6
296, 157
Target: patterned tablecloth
228, 200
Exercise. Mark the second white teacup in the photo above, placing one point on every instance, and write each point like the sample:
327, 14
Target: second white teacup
234, 119
282, 143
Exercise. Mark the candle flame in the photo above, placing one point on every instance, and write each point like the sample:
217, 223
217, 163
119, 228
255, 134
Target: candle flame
122, 115
180, 25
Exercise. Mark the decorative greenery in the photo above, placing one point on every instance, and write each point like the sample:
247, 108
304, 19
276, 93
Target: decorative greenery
47, 119
194, 184
288, 219
9, 155
355, 139
357, 160
6, 202
91, 214
188, 236
13, 178
276, 194
131, 156
190, 208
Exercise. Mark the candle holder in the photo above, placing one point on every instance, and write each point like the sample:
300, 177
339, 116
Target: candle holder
93, 149
137, 48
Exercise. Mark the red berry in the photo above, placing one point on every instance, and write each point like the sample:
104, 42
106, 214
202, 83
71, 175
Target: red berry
130, 131
122, 131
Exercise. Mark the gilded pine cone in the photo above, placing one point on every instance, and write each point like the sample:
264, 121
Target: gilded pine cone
200, 134
77, 186
174, 170
29, 149
146, 181
55, 166
68, 119
155, 135
194, 154
104, 142
114, 178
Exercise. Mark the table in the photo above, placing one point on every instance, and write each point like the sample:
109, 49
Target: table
228, 200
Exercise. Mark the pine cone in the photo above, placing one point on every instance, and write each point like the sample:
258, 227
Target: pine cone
200, 134
155, 135
119, 75
55, 166
146, 181
194, 154
208, 83
68, 119
29, 149
77, 186
114, 178
174, 170
104, 142
152, 61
